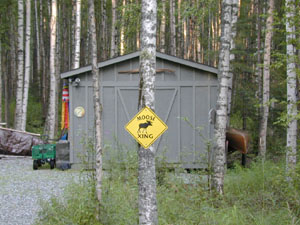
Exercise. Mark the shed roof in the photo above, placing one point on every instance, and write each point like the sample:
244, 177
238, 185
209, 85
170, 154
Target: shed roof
137, 54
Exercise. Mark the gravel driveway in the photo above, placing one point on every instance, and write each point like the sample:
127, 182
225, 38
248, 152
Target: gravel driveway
21, 188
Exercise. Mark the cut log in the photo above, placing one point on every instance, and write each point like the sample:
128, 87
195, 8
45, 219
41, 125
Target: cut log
15, 142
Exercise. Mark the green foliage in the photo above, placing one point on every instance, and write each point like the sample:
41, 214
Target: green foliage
78, 207
35, 118
257, 195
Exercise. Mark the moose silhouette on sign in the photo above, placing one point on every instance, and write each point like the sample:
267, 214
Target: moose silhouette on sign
143, 126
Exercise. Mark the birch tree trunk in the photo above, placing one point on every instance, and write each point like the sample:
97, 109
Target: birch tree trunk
113, 29
50, 121
258, 68
219, 162
20, 71
103, 33
291, 140
1, 81
96, 97
173, 28
76, 54
43, 56
122, 31
234, 17
147, 176
27, 65
163, 28
266, 83
38, 51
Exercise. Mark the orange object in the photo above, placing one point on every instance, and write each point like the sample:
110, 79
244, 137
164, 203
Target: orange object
238, 140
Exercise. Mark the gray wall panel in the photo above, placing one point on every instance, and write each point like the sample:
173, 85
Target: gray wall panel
108, 115
186, 132
201, 123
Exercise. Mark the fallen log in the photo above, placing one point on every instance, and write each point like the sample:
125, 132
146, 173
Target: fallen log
15, 142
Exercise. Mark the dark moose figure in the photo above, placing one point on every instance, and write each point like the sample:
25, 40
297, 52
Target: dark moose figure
144, 126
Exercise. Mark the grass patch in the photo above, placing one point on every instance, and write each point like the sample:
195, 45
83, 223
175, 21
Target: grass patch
256, 195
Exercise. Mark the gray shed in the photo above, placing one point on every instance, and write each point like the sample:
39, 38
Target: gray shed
184, 90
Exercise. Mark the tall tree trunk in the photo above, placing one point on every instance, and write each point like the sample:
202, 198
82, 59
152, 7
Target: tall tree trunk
1, 81
163, 28
173, 28
113, 30
27, 65
122, 31
19, 92
103, 34
38, 51
262, 147
179, 30
50, 121
258, 68
234, 17
44, 59
76, 54
147, 176
96, 97
221, 112
291, 140
57, 65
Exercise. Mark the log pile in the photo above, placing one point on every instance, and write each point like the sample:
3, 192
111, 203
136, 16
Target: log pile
14, 142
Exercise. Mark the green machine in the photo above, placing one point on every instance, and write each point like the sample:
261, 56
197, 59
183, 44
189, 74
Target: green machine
42, 154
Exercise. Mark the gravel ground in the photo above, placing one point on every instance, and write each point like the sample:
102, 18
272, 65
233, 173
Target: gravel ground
21, 188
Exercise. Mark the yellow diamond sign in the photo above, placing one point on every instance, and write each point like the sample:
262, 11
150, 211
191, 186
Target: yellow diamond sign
146, 127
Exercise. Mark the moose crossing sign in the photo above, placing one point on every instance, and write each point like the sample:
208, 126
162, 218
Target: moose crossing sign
146, 127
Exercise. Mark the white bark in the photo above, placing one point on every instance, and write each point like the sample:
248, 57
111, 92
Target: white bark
76, 54
27, 65
163, 28
113, 29
219, 162
20, 71
104, 33
234, 17
173, 28
291, 140
97, 105
1, 81
147, 176
266, 83
122, 32
53, 85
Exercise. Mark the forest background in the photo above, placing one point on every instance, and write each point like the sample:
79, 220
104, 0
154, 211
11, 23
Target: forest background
188, 29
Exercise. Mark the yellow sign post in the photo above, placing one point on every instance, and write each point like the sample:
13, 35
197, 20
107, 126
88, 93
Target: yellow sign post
146, 127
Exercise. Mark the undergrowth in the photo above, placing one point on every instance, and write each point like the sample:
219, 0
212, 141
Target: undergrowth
255, 195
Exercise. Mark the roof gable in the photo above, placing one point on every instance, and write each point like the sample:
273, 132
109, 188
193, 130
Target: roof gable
137, 54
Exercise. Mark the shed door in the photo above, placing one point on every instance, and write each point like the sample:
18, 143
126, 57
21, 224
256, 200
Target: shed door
183, 109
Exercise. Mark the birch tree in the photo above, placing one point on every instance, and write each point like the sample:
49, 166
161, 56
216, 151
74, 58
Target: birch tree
20, 70
76, 55
146, 168
291, 139
163, 28
50, 121
266, 83
234, 18
96, 97
219, 162
27, 65
1, 81
113, 29
173, 28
